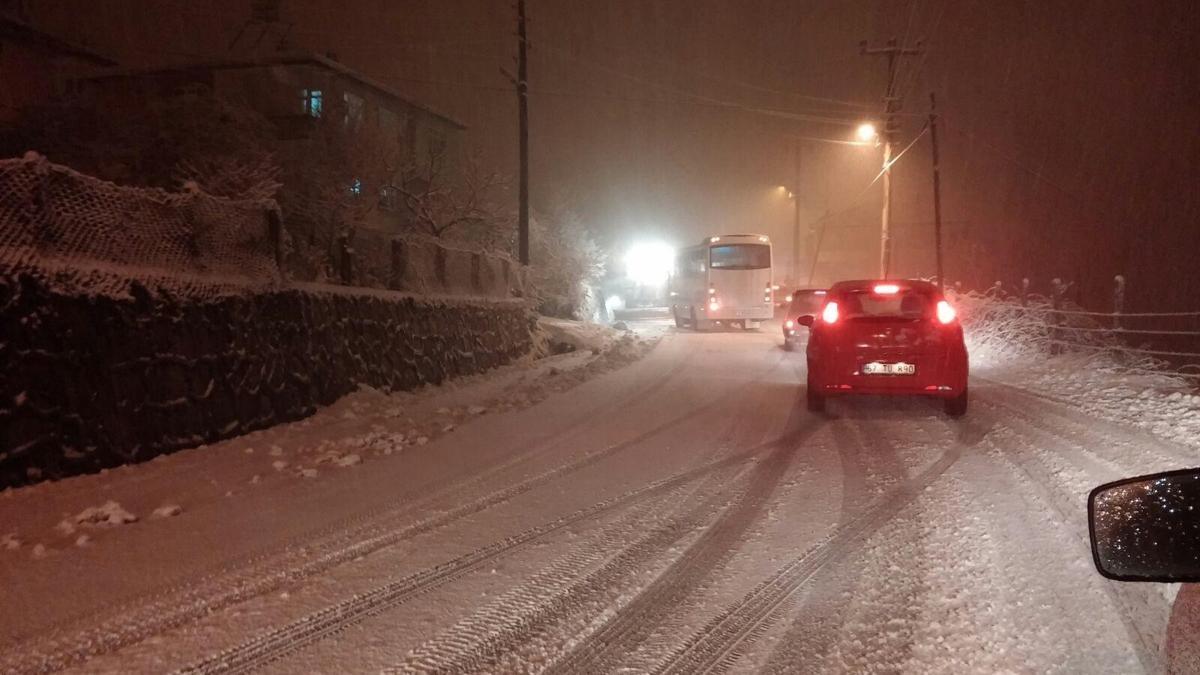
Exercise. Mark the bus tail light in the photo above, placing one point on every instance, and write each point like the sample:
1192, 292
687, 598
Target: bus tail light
830, 313
945, 313
789, 324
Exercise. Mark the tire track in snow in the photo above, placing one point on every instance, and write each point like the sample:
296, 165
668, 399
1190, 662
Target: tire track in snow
1143, 611
522, 615
602, 650
287, 639
825, 607
718, 645
1166, 455
1092, 424
565, 587
187, 601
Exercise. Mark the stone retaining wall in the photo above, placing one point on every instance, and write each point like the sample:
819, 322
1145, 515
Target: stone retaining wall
88, 382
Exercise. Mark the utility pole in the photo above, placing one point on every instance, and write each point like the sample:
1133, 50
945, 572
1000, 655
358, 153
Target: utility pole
796, 211
894, 52
523, 107
937, 192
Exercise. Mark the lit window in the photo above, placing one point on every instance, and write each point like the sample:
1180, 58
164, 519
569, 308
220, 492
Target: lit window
313, 102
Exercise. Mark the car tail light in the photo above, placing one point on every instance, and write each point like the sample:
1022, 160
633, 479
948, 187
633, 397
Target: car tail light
886, 289
830, 313
945, 313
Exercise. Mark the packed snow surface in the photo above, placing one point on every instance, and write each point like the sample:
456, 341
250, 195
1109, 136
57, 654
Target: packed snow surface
628, 505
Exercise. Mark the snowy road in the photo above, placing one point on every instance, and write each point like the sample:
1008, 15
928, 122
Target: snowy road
683, 514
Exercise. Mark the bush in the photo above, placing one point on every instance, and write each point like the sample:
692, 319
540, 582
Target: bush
565, 263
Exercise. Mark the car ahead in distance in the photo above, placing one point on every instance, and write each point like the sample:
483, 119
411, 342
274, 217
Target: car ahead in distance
804, 302
889, 338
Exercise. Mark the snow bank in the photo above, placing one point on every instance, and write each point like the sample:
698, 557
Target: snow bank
558, 336
1012, 344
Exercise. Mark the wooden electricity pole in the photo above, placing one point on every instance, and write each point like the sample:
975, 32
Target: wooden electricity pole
796, 238
937, 193
523, 135
894, 52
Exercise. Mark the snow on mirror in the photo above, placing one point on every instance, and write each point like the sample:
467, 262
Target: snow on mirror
1147, 528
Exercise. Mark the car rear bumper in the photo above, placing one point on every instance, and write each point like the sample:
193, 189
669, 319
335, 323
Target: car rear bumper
937, 377
758, 313
933, 390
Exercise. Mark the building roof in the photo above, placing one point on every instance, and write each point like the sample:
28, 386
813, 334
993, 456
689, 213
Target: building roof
12, 30
298, 58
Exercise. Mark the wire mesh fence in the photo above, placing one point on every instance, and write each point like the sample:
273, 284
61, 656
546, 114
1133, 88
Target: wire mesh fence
88, 233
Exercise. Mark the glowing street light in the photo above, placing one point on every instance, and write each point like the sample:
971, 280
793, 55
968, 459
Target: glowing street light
649, 264
866, 132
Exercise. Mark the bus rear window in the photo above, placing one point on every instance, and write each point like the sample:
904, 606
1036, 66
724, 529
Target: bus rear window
740, 257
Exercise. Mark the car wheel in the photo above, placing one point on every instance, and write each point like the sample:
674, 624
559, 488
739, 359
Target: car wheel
816, 401
957, 406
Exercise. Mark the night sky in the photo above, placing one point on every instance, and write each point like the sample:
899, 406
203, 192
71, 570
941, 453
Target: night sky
1069, 128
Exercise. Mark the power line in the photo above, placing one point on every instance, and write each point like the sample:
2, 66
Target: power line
741, 83
795, 116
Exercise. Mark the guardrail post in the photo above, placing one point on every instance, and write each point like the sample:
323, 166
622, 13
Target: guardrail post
1057, 290
1118, 300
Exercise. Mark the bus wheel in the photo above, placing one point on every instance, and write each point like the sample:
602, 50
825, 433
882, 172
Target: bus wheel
679, 323
698, 325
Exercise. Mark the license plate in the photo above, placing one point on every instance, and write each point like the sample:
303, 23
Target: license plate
876, 368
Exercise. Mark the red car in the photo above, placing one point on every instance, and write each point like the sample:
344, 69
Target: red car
886, 337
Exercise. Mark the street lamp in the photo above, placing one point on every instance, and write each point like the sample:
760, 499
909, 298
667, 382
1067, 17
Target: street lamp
866, 133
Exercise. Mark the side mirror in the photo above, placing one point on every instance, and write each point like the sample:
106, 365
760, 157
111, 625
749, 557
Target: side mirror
1147, 528
806, 320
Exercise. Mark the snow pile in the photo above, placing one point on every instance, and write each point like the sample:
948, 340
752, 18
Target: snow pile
167, 511
561, 336
108, 514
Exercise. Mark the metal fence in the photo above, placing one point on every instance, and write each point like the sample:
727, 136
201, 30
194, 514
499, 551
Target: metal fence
1144, 342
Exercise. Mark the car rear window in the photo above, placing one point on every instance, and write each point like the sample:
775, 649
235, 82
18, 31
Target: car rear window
906, 304
807, 303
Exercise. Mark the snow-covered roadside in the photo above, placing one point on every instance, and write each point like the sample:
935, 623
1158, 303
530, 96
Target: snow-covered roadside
1012, 347
56, 518
1163, 405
